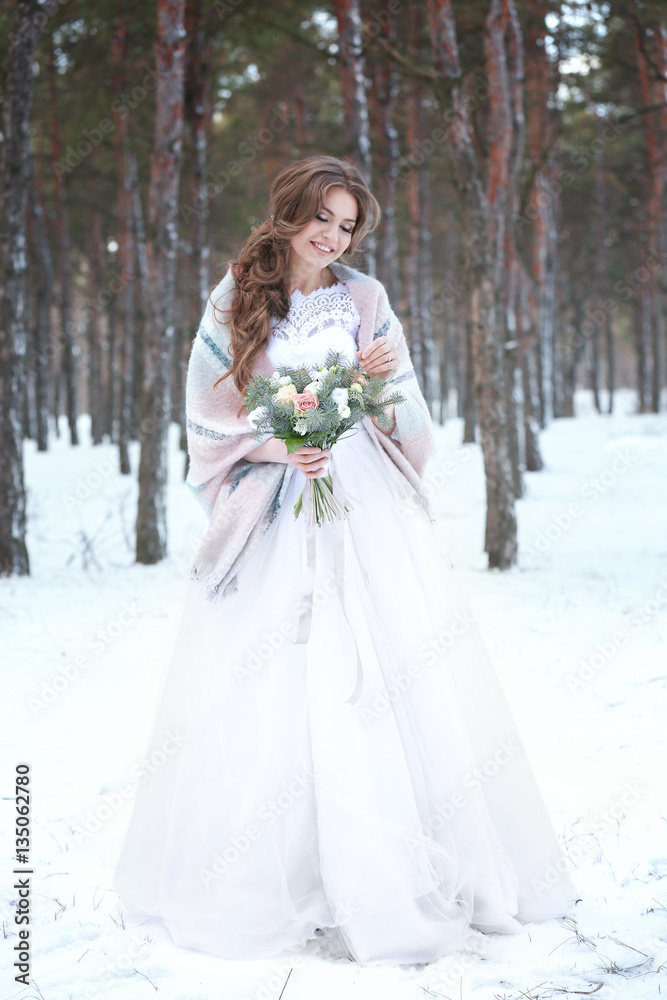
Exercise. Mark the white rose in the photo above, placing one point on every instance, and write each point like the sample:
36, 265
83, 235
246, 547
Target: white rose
316, 374
312, 387
355, 387
340, 396
284, 380
344, 411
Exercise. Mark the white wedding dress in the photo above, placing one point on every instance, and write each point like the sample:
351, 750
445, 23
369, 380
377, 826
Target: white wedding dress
368, 780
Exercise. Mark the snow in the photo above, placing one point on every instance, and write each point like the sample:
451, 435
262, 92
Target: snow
577, 633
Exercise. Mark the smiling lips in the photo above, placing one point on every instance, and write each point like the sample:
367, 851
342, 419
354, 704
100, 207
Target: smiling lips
322, 247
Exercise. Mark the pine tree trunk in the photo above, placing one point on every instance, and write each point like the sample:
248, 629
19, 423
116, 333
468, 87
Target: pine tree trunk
39, 362
655, 146
96, 271
513, 400
14, 173
64, 251
351, 68
385, 87
642, 325
483, 194
602, 265
126, 256
141, 295
449, 352
538, 233
531, 446
508, 302
416, 333
432, 391
197, 111
469, 409
112, 373
161, 260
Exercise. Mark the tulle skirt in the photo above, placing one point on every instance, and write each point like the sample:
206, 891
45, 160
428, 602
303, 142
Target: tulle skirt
355, 767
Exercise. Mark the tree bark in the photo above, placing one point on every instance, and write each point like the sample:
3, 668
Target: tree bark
527, 341
412, 137
161, 260
64, 248
14, 172
540, 201
352, 84
126, 256
95, 273
642, 323
39, 364
142, 297
197, 111
653, 93
385, 88
484, 214
432, 390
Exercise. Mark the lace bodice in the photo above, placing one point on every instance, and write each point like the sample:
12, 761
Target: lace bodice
326, 318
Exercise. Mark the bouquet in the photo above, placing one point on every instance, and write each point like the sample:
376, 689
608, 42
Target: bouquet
316, 406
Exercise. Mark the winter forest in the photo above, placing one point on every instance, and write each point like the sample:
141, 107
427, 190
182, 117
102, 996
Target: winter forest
518, 149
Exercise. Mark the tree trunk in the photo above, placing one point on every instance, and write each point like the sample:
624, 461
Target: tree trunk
141, 299
14, 172
112, 373
655, 149
387, 152
642, 324
95, 272
197, 111
352, 84
430, 350
469, 409
539, 234
126, 257
484, 211
161, 246
416, 334
449, 351
62, 229
530, 395
514, 99
39, 363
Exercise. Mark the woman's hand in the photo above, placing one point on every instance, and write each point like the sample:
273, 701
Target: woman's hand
310, 460
379, 358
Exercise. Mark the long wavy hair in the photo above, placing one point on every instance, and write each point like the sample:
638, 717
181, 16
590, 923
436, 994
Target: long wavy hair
261, 269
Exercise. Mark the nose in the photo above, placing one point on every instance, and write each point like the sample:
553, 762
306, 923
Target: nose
329, 234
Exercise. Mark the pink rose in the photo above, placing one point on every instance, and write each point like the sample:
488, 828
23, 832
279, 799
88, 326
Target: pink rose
304, 401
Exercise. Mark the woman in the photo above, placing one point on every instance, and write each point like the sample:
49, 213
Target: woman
347, 759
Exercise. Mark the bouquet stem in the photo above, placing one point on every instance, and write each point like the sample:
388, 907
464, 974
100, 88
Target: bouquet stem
324, 506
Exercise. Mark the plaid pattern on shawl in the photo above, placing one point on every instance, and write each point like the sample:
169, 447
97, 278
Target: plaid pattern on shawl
242, 498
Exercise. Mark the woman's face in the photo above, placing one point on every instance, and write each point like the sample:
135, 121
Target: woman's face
329, 232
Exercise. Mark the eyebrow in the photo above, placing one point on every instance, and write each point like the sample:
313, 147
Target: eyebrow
332, 213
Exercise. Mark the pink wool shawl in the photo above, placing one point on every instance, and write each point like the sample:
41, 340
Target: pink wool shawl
242, 498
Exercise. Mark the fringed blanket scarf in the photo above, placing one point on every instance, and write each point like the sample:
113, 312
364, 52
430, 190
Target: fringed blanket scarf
242, 498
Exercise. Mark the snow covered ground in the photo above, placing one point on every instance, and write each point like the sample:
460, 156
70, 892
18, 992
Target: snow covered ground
577, 631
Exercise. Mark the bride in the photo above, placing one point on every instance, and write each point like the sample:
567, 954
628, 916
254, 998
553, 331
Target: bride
347, 761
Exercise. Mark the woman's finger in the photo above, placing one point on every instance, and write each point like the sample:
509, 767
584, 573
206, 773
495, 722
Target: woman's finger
380, 356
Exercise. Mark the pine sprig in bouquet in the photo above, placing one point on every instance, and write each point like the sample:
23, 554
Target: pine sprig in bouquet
315, 407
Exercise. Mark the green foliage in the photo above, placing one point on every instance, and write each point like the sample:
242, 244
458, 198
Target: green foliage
323, 425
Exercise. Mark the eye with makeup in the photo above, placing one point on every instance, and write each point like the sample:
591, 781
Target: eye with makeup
321, 219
